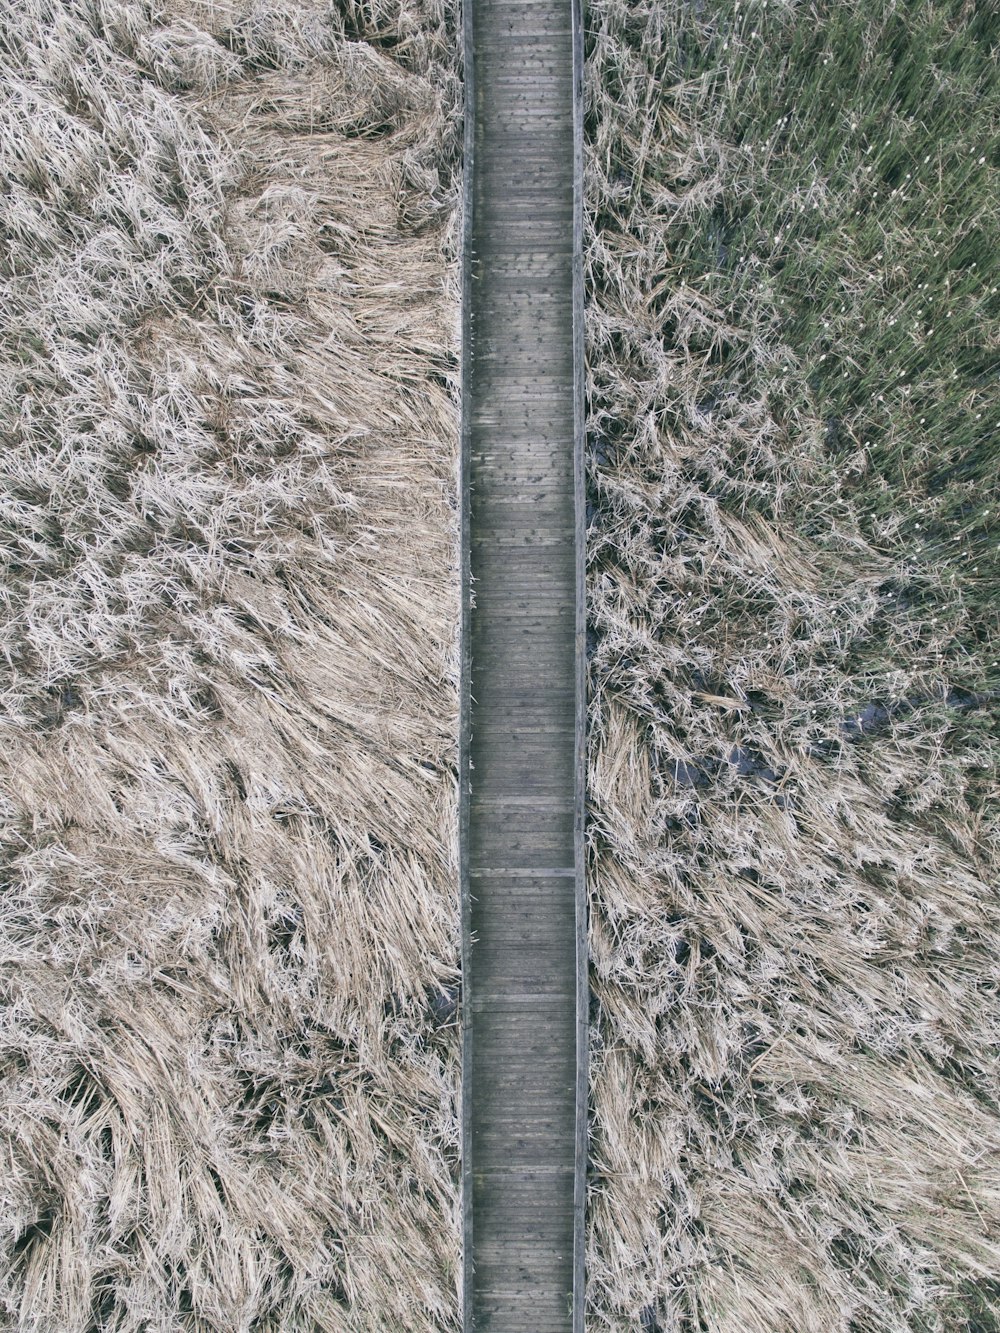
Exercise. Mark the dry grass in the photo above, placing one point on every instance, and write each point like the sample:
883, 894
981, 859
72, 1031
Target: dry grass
229, 921
794, 763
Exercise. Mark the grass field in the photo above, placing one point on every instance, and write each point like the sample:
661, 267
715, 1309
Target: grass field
229, 1064
794, 766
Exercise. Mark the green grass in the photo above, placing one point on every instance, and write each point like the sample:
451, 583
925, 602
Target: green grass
854, 225
872, 149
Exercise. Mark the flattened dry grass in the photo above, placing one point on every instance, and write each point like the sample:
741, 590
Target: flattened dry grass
791, 257
229, 920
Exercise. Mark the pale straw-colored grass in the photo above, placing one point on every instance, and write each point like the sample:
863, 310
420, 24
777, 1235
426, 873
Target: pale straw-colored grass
229, 919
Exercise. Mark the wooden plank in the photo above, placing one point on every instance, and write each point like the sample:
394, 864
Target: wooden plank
522, 707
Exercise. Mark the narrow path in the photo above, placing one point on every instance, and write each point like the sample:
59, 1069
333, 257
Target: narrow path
525, 1081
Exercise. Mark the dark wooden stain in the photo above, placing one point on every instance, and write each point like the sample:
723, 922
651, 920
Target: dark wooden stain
522, 794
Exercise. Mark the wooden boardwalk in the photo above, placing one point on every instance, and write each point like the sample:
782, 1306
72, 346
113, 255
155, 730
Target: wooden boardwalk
525, 966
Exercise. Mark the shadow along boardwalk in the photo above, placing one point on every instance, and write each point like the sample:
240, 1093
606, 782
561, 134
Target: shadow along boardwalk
521, 822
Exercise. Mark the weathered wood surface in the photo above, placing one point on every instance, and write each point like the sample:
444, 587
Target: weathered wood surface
522, 813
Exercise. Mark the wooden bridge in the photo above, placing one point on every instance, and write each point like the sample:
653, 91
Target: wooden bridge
524, 909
